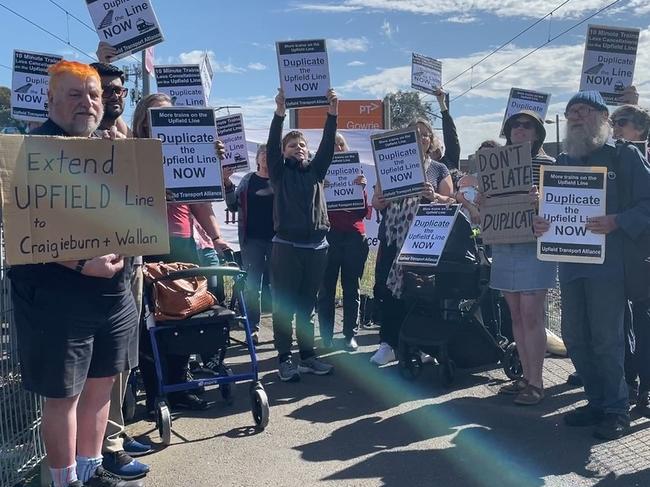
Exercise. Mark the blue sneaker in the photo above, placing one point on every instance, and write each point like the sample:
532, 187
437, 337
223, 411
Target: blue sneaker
123, 466
134, 448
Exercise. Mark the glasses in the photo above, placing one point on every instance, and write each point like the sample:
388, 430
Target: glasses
111, 91
621, 122
523, 124
580, 112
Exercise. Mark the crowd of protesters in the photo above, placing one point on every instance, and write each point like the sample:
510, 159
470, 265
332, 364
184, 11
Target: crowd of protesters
285, 229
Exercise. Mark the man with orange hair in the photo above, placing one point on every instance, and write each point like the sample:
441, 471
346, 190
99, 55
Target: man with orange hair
75, 319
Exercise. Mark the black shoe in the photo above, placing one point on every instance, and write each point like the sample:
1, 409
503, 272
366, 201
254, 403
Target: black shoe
103, 478
122, 465
76, 483
186, 400
612, 427
643, 403
574, 380
351, 344
583, 416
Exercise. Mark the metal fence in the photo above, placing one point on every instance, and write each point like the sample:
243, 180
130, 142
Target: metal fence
21, 447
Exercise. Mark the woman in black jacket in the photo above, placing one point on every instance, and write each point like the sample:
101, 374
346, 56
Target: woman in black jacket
299, 252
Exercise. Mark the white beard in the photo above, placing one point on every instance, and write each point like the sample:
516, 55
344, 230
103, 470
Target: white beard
583, 140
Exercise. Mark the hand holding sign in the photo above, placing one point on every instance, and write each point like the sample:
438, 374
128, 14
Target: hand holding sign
602, 224
105, 266
105, 52
540, 226
333, 100
280, 103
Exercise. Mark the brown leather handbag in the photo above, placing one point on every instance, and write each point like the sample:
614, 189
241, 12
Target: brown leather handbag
177, 299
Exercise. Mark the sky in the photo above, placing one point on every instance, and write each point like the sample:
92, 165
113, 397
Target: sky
369, 47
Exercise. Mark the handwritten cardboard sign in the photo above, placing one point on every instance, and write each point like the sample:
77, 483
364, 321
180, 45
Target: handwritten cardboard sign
341, 192
505, 170
304, 72
507, 219
29, 85
570, 195
127, 25
399, 163
74, 198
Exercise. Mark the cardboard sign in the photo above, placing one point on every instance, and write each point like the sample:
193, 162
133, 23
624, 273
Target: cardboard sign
191, 166
505, 170
570, 195
341, 192
127, 25
428, 234
526, 100
507, 219
183, 83
304, 72
609, 59
426, 74
230, 130
70, 198
399, 163
29, 85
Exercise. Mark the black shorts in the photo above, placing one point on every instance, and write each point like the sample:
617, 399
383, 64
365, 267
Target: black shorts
63, 340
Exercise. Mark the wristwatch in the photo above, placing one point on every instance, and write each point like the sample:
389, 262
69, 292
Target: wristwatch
80, 265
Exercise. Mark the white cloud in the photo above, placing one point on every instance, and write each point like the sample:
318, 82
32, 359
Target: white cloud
461, 19
257, 110
196, 56
388, 30
352, 44
257, 66
356, 63
500, 8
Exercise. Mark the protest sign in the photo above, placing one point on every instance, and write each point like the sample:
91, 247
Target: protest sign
520, 99
428, 235
230, 130
304, 72
183, 83
609, 59
127, 25
29, 85
570, 195
341, 192
206, 76
507, 219
399, 163
426, 74
69, 198
505, 170
191, 166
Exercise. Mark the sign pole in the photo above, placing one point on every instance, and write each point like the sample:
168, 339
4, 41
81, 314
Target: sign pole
145, 75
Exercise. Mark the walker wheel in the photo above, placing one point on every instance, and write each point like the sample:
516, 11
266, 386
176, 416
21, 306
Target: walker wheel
259, 405
511, 362
164, 423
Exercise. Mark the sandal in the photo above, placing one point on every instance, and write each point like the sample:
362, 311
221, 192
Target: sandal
530, 396
515, 387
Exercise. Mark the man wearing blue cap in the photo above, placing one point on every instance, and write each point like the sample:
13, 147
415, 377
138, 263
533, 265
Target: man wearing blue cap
593, 295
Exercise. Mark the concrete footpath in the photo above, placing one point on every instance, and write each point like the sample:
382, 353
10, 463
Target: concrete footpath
365, 426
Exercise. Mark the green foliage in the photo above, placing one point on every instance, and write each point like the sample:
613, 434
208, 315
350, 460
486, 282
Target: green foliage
405, 107
5, 111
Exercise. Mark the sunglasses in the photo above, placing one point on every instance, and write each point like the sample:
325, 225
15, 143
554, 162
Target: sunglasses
111, 91
621, 122
524, 124
581, 112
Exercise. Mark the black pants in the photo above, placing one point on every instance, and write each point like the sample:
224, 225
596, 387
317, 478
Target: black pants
393, 310
296, 274
379, 290
637, 344
347, 253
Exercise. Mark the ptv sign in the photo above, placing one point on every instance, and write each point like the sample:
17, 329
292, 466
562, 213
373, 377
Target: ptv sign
353, 114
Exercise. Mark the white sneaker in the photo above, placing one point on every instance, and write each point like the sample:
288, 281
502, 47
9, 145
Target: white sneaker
384, 354
425, 358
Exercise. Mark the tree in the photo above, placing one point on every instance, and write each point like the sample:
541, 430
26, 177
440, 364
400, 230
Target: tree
405, 107
6, 120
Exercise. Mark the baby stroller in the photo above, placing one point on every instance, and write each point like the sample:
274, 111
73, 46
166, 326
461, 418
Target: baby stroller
452, 314
207, 333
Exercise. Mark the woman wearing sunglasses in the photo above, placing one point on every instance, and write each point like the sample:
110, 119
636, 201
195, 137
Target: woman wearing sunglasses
522, 278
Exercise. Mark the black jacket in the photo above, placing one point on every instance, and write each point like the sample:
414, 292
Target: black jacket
452, 145
300, 211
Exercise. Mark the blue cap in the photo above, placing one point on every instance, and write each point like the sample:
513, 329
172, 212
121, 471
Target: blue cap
591, 98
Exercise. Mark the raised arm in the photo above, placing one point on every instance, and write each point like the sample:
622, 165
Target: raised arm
323, 158
274, 158
449, 133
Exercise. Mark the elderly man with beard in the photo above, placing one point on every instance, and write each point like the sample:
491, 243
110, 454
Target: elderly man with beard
593, 296
76, 320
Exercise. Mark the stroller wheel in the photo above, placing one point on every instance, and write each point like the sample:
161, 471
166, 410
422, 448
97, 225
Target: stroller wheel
511, 362
164, 423
447, 373
410, 366
226, 389
259, 405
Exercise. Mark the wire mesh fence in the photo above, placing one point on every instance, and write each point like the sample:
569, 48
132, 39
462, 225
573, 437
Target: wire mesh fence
21, 447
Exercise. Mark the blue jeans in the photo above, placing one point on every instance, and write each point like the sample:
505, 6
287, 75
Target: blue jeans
256, 255
593, 332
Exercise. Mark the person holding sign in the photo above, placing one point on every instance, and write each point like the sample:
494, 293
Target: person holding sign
522, 278
76, 320
593, 295
399, 214
347, 253
253, 202
299, 252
